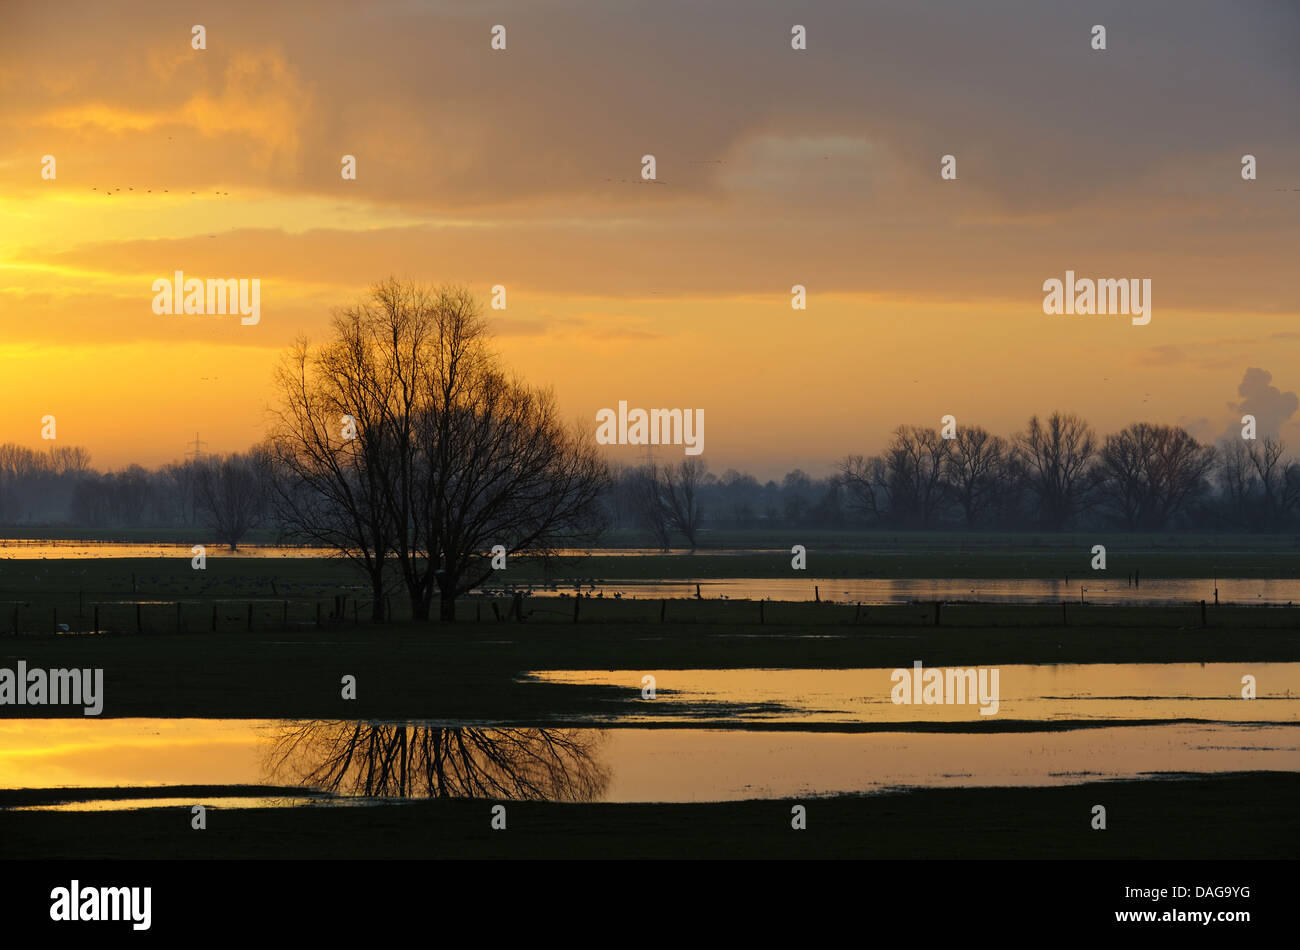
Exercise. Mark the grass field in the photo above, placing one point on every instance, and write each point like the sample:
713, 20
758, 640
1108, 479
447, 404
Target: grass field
254, 638
1242, 815
876, 554
36, 595
467, 670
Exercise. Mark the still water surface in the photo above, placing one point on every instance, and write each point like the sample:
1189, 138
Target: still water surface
365, 761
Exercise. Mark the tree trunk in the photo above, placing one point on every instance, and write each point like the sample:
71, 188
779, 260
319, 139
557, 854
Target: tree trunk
447, 607
377, 592
419, 607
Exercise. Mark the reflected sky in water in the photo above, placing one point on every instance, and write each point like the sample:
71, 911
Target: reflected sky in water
1041, 693
697, 761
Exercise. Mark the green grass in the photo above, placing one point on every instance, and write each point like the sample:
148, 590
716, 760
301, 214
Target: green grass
1238, 816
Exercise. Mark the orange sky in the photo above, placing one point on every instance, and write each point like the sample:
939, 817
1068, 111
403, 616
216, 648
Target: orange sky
775, 167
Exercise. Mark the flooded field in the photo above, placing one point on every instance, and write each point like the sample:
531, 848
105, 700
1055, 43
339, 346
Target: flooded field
982, 590
36, 548
1057, 693
1193, 721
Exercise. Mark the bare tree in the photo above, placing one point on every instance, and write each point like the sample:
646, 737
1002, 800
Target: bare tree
1237, 483
503, 471
648, 508
446, 458
866, 483
328, 452
231, 492
975, 471
1278, 479
915, 458
1056, 456
681, 484
1148, 474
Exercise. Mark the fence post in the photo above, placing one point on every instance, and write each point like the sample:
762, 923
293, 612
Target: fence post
96, 609
139, 627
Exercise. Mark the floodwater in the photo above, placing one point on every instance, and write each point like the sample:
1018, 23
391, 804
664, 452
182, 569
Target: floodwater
1059, 694
36, 548
632, 762
671, 765
1088, 589
952, 590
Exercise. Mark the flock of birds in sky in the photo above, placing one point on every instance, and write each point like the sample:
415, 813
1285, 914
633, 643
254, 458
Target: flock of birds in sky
149, 191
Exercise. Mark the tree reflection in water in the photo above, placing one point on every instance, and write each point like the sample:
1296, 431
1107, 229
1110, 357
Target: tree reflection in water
419, 761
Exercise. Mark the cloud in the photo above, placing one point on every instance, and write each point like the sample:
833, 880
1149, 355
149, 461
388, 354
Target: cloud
1271, 407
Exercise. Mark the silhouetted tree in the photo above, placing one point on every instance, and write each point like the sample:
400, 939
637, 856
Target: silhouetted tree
681, 490
915, 459
645, 491
1149, 474
976, 471
449, 457
1278, 479
1057, 456
231, 492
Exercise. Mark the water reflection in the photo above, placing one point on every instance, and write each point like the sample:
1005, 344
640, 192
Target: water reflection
851, 590
1062, 694
424, 761
78, 766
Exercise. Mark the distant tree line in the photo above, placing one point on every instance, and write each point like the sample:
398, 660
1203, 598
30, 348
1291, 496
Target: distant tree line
226, 495
1055, 474
38, 486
